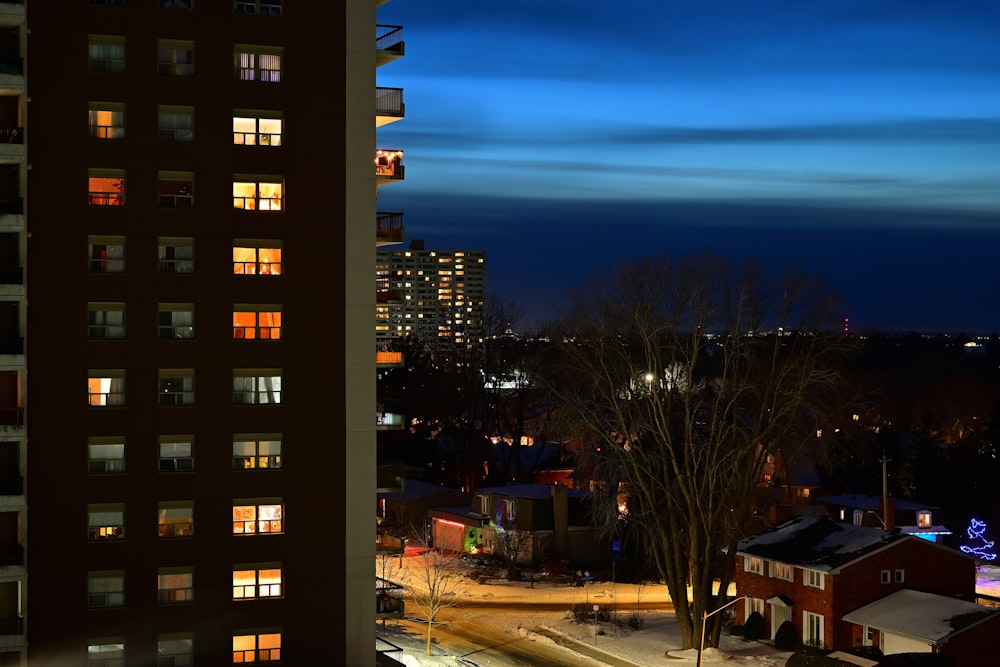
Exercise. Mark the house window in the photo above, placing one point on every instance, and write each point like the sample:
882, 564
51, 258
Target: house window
265, 194
814, 579
858, 517
257, 581
753, 605
177, 4
175, 255
106, 120
105, 53
176, 453
885, 577
256, 451
924, 519
105, 588
250, 259
257, 63
175, 189
484, 504
256, 387
255, 129
175, 123
106, 187
256, 322
753, 564
106, 652
175, 649
105, 454
257, 7
175, 57
106, 254
175, 518
257, 647
105, 321
176, 386
812, 629
106, 388
106, 521
176, 321
175, 584
508, 508
251, 517
782, 571
899, 576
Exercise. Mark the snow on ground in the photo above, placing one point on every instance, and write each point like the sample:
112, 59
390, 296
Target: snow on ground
988, 580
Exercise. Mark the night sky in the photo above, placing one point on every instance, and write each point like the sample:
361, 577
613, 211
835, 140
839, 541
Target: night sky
859, 139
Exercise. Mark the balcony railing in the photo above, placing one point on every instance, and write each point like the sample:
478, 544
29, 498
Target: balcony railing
389, 101
176, 201
389, 164
389, 227
12, 626
11, 205
12, 135
389, 38
388, 597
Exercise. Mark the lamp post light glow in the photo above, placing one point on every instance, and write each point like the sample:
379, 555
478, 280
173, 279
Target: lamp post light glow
704, 618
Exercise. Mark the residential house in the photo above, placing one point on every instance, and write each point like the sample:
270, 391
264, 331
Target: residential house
813, 571
912, 518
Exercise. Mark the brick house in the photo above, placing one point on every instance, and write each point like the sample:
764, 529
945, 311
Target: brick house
813, 571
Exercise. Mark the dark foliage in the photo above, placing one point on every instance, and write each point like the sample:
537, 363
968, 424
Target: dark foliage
917, 660
735, 630
754, 629
787, 637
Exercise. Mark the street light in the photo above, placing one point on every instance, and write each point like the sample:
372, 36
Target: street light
704, 618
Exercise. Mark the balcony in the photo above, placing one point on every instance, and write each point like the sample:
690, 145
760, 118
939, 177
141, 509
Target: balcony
385, 358
389, 105
388, 599
389, 44
389, 544
388, 296
388, 229
11, 205
388, 166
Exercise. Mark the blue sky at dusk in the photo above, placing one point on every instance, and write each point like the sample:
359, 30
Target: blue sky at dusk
858, 138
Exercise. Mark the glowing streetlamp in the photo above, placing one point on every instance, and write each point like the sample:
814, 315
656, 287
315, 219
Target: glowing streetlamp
704, 619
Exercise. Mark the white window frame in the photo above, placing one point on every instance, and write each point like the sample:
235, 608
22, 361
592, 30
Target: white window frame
899, 576
106, 321
753, 605
106, 388
105, 588
814, 579
243, 266
105, 454
247, 129
175, 453
105, 522
258, 516
753, 564
812, 629
257, 451
256, 646
254, 581
257, 386
175, 518
174, 584
115, 129
784, 571
886, 576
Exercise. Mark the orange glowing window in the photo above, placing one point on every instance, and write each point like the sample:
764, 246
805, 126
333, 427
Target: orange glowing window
256, 260
106, 189
257, 518
258, 195
250, 323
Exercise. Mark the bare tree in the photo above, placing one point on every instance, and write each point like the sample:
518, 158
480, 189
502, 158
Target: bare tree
691, 374
514, 545
436, 583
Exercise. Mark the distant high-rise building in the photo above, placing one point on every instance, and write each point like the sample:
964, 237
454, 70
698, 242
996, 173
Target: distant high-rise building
436, 295
193, 412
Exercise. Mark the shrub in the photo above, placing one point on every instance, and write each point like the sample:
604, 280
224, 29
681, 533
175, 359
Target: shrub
636, 621
754, 628
787, 637
735, 630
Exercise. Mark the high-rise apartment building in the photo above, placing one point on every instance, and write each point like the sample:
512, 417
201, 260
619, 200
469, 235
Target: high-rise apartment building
437, 295
194, 404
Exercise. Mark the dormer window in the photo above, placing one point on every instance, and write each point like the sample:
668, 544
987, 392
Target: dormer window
924, 518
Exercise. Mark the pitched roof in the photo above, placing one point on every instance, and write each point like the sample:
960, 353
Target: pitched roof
817, 543
863, 501
934, 618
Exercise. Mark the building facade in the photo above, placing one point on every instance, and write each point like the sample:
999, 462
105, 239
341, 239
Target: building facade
199, 444
437, 295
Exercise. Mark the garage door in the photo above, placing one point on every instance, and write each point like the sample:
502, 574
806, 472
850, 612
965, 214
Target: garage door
898, 644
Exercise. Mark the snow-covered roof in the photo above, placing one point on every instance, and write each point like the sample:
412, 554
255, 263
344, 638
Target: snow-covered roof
527, 491
817, 543
415, 489
871, 502
934, 618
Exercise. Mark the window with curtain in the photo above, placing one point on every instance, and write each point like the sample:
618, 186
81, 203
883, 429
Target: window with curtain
106, 53
105, 522
252, 517
106, 388
260, 195
175, 649
175, 585
106, 652
257, 63
106, 187
256, 322
176, 321
106, 254
175, 123
263, 647
175, 518
105, 589
106, 120
176, 453
105, 454
253, 260
256, 387
175, 58
175, 255
257, 581
255, 452
106, 321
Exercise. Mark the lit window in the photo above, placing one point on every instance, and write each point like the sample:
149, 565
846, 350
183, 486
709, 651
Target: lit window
105, 321
105, 588
175, 584
259, 260
106, 454
257, 63
753, 564
257, 517
257, 581
257, 7
106, 120
251, 451
924, 519
259, 195
814, 579
106, 521
105, 53
176, 321
256, 387
106, 254
175, 123
175, 57
176, 453
176, 386
106, 388
812, 629
175, 518
106, 187
753, 605
175, 189
255, 129
389, 163
106, 652
782, 571
256, 322
175, 255
175, 649
257, 647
